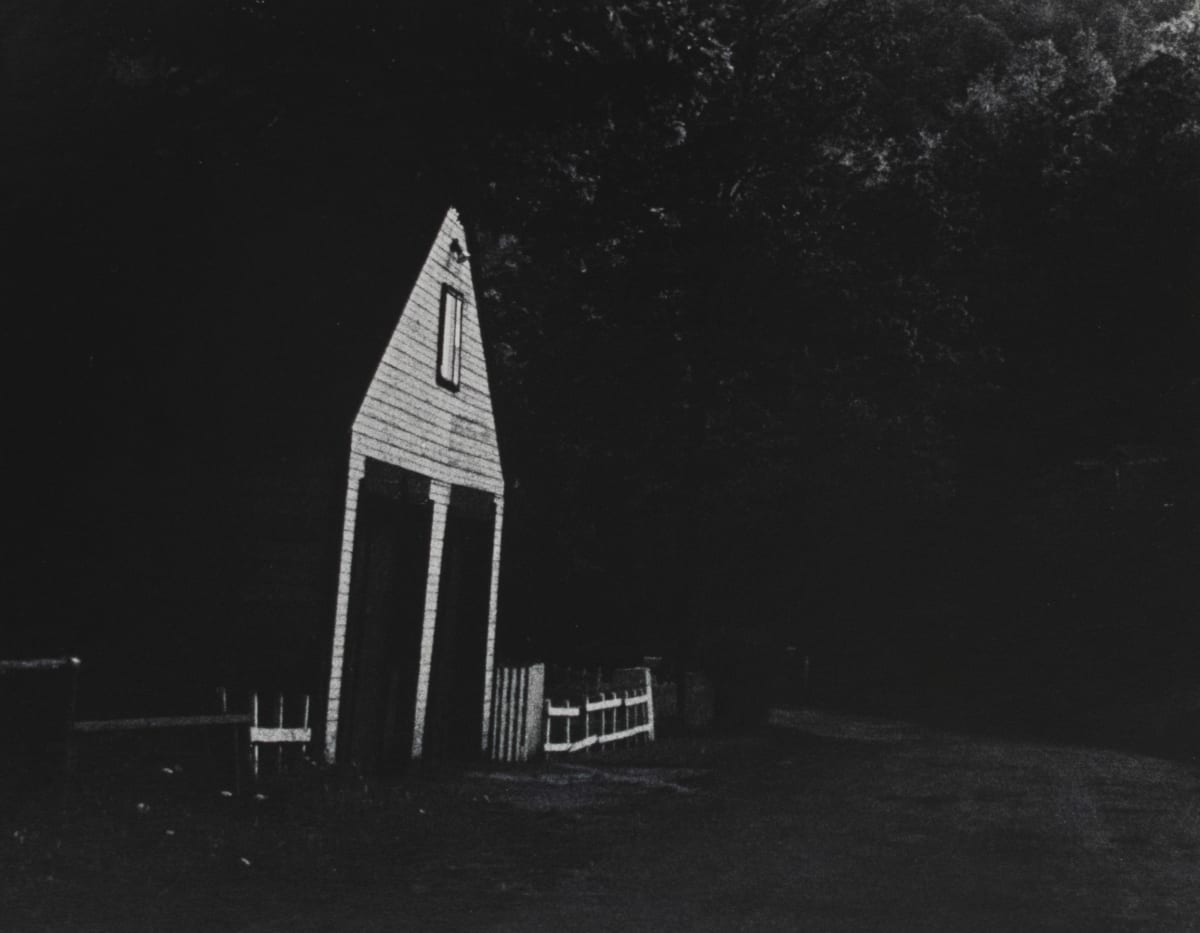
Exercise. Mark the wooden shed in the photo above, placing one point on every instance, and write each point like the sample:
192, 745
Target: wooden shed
303, 496
414, 623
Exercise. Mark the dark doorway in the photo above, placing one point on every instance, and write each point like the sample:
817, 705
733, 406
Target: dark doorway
387, 605
454, 720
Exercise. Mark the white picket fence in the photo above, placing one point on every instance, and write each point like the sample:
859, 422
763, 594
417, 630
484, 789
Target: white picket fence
603, 718
277, 735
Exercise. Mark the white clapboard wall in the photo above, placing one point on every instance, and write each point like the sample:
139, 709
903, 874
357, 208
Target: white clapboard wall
409, 420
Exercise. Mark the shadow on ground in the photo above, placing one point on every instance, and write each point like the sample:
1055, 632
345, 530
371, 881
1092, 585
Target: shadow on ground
824, 821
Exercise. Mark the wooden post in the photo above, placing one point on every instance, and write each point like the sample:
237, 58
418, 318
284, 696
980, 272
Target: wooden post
493, 600
279, 746
641, 679
492, 746
355, 473
253, 745
240, 734
304, 750
69, 727
535, 706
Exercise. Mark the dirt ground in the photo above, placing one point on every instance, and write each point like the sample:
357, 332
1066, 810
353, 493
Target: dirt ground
823, 822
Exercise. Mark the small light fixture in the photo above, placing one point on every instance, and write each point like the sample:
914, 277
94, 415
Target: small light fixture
457, 252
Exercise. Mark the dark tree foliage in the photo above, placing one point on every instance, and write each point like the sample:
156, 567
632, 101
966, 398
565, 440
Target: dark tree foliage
811, 322
857, 278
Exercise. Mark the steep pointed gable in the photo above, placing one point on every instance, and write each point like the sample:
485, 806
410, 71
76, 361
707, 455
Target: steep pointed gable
423, 411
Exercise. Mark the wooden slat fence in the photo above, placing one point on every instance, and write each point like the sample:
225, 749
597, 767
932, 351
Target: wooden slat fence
516, 724
603, 718
277, 735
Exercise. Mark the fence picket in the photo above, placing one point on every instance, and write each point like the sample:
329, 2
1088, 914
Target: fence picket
507, 711
522, 716
254, 754
279, 724
514, 736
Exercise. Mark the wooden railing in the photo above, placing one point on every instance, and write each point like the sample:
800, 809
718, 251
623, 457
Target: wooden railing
251, 732
277, 736
603, 718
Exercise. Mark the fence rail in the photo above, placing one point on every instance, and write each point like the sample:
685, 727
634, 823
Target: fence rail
38, 664
159, 722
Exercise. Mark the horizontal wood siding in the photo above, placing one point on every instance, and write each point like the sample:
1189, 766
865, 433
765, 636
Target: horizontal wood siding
406, 418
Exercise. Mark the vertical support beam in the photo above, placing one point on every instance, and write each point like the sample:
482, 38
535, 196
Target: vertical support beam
492, 734
439, 495
358, 465
493, 602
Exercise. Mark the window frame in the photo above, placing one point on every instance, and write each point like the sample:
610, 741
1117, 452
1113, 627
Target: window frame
453, 384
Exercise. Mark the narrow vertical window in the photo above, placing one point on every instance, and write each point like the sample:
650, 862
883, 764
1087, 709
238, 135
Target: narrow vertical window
450, 339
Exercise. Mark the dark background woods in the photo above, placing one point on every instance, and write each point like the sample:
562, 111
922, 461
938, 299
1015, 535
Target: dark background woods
865, 327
